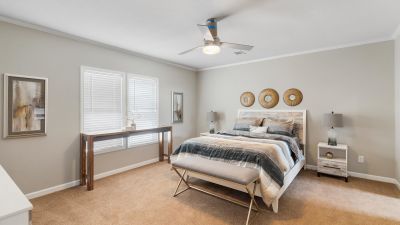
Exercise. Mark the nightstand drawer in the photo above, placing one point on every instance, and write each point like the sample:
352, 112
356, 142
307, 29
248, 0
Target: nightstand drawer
332, 170
335, 164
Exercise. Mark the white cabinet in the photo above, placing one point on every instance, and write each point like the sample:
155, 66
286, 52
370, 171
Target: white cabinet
14, 206
336, 164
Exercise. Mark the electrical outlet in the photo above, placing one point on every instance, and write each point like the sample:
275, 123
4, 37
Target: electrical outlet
361, 159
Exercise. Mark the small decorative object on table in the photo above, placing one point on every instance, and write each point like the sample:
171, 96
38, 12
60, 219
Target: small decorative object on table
131, 125
211, 117
329, 155
332, 160
333, 120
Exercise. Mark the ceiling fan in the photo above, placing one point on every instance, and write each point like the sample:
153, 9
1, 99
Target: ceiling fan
212, 44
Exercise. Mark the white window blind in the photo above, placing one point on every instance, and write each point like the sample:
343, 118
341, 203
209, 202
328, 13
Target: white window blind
102, 103
142, 107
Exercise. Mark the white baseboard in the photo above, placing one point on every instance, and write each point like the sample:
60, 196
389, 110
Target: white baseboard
126, 168
74, 183
365, 176
53, 189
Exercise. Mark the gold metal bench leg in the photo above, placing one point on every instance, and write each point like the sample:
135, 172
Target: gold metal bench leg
248, 214
252, 200
251, 193
182, 176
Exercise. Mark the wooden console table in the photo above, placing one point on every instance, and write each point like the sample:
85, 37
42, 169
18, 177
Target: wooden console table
87, 139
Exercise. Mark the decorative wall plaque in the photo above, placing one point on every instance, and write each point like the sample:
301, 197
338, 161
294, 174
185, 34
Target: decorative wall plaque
247, 99
268, 98
292, 97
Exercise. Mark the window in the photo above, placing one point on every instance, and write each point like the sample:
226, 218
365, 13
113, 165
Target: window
142, 107
109, 98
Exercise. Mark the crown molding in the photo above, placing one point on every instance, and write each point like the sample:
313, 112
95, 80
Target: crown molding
89, 41
167, 62
298, 53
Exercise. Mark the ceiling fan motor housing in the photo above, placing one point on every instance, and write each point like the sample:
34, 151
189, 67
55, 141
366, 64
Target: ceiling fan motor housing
212, 26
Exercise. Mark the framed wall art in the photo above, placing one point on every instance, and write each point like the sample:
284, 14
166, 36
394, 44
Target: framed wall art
25, 106
177, 107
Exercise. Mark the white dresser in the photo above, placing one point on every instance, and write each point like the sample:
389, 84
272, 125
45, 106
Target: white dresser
14, 206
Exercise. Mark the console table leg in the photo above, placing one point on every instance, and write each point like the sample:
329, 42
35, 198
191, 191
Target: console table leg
91, 165
83, 161
161, 146
169, 145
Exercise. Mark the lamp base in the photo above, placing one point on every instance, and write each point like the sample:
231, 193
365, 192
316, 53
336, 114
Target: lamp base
332, 141
212, 128
332, 137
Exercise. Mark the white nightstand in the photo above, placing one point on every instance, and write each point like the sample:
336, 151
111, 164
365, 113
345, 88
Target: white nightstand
335, 166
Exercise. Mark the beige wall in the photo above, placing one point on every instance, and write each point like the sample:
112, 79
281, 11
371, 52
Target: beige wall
356, 81
41, 162
397, 104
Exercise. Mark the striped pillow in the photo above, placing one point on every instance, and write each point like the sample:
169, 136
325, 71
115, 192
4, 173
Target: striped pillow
245, 123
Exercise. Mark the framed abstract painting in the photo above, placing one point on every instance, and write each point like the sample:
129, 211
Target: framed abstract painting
177, 107
25, 106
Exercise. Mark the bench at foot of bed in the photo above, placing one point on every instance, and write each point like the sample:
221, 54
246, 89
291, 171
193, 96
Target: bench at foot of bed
245, 177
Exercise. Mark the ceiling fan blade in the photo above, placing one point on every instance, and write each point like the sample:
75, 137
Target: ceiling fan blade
241, 6
206, 32
221, 17
192, 49
236, 46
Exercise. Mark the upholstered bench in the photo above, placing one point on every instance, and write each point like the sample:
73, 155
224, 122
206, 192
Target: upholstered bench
246, 177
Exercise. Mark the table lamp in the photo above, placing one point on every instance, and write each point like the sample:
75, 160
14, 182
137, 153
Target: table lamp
211, 118
333, 120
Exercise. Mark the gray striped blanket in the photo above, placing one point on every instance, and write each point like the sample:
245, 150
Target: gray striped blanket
272, 157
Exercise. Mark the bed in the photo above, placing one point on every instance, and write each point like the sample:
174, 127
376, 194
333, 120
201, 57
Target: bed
261, 164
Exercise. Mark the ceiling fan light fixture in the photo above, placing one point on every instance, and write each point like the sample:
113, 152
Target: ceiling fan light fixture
211, 49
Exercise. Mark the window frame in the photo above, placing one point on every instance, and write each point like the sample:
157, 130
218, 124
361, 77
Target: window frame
124, 108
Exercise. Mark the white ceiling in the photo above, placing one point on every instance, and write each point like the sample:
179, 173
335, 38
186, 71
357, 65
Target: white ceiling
164, 28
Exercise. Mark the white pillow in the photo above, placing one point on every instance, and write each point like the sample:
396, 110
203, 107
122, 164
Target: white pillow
258, 130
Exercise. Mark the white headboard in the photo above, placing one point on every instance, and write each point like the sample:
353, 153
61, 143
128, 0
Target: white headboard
298, 116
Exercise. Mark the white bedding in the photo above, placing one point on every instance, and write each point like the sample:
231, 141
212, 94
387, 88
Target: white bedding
277, 150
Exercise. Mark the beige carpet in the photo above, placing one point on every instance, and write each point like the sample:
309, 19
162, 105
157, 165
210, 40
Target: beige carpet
144, 196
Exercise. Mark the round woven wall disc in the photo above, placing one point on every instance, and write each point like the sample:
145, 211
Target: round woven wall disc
292, 97
247, 99
268, 98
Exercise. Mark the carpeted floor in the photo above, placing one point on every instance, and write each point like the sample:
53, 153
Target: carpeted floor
144, 196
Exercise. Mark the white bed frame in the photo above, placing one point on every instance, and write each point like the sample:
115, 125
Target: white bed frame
289, 177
